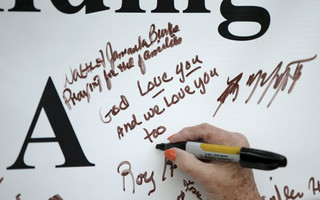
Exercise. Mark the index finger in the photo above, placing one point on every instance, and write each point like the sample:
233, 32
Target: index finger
209, 134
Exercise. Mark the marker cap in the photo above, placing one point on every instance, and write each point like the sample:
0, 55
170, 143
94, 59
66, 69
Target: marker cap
258, 159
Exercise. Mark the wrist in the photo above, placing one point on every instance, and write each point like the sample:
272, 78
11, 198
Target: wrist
247, 188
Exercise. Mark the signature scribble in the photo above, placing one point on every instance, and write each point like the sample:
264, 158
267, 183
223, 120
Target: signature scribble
233, 88
276, 80
279, 80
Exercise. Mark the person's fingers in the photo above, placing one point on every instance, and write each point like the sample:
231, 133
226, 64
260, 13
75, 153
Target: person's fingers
188, 163
209, 134
204, 132
192, 133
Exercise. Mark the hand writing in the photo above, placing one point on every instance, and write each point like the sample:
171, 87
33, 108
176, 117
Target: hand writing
220, 180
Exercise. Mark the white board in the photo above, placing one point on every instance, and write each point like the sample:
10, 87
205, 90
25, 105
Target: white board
40, 50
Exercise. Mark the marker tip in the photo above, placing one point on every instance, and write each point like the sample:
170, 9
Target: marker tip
160, 146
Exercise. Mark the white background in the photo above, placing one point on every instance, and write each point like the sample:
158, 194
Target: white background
34, 46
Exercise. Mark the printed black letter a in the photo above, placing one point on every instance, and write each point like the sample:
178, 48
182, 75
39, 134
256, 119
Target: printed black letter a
62, 128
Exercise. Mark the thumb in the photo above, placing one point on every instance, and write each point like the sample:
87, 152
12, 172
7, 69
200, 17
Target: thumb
186, 162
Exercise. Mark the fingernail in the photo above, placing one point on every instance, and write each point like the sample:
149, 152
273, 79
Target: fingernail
170, 154
171, 136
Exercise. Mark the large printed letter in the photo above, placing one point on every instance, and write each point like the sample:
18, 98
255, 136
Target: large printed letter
130, 6
196, 6
91, 6
165, 6
24, 5
62, 128
242, 14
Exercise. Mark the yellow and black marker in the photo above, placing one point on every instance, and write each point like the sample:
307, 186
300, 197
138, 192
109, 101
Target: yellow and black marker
247, 157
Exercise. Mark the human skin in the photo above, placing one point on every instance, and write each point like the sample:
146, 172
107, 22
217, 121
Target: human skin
220, 180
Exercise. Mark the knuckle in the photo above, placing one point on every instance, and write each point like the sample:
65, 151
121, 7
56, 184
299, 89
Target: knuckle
241, 139
184, 131
205, 126
188, 168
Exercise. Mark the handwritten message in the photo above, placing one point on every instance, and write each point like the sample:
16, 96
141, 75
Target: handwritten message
125, 169
286, 192
189, 77
112, 64
18, 196
276, 81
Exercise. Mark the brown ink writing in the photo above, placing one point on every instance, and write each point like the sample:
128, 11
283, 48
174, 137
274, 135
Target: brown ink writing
18, 197
291, 194
170, 39
182, 68
199, 84
114, 55
156, 82
175, 98
181, 196
169, 43
70, 98
141, 64
233, 88
82, 73
314, 186
189, 187
56, 197
287, 193
123, 66
152, 112
141, 178
127, 171
108, 76
155, 36
128, 126
172, 168
279, 80
154, 133
123, 105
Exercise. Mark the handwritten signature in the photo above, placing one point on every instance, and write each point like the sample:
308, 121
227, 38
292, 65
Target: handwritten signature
125, 169
161, 39
278, 81
189, 188
287, 193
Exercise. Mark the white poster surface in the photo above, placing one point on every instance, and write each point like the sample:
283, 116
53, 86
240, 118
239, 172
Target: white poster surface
88, 88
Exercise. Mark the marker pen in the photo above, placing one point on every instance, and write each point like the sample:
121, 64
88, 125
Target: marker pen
247, 157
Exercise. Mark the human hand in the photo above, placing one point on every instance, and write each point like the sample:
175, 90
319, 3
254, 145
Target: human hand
220, 180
